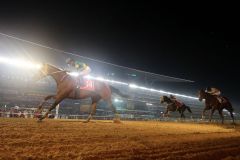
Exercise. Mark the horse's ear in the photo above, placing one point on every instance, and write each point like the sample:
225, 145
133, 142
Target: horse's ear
201, 91
43, 65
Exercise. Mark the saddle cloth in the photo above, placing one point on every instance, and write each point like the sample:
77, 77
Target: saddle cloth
86, 84
178, 103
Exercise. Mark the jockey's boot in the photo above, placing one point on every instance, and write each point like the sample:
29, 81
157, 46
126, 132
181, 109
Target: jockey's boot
219, 99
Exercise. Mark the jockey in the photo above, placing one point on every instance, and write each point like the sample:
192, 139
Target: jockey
175, 101
215, 92
81, 68
172, 97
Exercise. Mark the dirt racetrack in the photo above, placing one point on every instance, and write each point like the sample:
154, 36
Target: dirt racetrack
66, 139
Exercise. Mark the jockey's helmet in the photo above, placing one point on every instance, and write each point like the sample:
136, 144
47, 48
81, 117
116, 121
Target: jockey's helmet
172, 97
69, 60
208, 89
84, 65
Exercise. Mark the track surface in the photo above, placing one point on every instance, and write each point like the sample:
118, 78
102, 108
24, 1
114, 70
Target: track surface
65, 139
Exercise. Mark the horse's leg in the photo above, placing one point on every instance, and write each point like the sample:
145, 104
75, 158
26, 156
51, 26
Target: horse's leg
40, 106
49, 110
203, 113
183, 116
44, 101
182, 113
58, 99
230, 110
231, 113
93, 111
116, 116
165, 113
95, 99
189, 110
221, 114
211, 114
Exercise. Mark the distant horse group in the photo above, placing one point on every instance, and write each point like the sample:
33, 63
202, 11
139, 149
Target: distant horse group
211, 103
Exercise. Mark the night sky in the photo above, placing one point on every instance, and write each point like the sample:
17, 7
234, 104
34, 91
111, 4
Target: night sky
199, 42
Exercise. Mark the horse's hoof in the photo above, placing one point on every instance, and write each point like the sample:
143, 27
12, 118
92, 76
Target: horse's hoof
86, 121
39, 120
116, 120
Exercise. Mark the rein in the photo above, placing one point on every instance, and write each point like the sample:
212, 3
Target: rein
52, 72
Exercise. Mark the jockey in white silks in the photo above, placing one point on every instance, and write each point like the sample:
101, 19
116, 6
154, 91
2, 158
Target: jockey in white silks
215, 92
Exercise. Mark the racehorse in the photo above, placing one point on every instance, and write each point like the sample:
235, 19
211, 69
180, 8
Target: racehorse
211, 102
172, 106
67, 87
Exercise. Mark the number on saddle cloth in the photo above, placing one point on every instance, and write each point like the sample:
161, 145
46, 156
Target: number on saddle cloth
86, 84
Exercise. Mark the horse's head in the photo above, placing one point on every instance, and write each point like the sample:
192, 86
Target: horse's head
42, 72
201, 94
163, 99
46, 70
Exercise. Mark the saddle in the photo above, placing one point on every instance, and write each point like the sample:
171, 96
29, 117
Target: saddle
178, 103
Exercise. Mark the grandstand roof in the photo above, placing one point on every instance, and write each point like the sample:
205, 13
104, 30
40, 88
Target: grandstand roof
15, 47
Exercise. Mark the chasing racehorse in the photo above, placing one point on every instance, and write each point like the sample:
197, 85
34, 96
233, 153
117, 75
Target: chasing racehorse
172, 106
67, 87
211, 102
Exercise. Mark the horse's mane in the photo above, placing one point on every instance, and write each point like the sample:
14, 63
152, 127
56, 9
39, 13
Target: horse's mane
166, 98
53, 66
206, 93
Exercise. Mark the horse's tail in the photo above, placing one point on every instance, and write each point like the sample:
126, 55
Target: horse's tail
115, 90
228, 104
188, 108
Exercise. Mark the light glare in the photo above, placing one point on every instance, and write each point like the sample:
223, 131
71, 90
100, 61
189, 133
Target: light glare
22, 63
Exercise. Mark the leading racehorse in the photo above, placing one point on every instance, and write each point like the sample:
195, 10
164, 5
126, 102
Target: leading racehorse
67, 87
